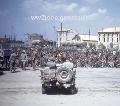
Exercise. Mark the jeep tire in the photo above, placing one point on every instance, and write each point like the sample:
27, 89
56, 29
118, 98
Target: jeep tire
72, 89
68, 73
43, 89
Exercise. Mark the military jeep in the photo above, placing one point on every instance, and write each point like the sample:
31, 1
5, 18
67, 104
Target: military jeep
1, 65
58, 76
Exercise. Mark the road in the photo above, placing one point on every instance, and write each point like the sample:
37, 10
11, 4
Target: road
96, 87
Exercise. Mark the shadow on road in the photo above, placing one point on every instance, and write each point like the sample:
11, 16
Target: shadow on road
60, 91
2, 73
16, 71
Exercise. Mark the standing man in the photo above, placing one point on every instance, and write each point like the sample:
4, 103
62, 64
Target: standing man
24, 59
34, 58
13, 61
7, 53
1, 60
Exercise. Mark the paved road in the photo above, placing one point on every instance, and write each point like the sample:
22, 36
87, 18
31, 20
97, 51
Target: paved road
96, 87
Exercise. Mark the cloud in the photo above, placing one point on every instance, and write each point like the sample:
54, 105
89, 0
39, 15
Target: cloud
59, 7
71, 7
92, 1
84, 9
48, 6
55, 7
99, 13
92, 16
102, 11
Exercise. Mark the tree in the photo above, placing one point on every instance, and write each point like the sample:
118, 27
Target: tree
111, 45
101, 46
92, 46
83, 45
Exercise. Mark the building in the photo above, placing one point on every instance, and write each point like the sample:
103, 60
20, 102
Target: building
65, 35
3, 40
89, 39
17, 44
34, 39
69, 36
110, 37
7, 43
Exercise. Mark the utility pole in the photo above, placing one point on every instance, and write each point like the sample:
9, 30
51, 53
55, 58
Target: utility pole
14, 36
89, 37
9, 38
55, 34
12, 30
14, 39
61, 33
5, 36
89, 34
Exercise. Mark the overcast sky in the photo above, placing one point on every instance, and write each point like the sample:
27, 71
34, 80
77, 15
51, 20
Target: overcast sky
15, 16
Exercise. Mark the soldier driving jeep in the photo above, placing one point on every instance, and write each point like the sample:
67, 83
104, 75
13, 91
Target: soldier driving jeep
58, 75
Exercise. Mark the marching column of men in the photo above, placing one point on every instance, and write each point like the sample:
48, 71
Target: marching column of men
22, 59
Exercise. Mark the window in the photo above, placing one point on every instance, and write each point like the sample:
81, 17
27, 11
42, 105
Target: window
112, 37
99, 37
117, 37
104, 37
108, 38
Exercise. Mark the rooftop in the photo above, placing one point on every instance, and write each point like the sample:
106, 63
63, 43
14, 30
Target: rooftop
34, 34
64, 29
111, 29
89, 37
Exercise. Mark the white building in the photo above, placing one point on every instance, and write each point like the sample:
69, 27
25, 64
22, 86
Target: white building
110, 36
73, 37
66, 35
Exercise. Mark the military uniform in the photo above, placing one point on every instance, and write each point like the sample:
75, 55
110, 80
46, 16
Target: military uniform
13, 62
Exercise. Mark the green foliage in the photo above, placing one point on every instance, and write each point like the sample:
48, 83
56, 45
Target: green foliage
111, 45
101, 46
92, 46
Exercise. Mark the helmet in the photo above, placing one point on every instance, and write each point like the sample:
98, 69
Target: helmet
23, 51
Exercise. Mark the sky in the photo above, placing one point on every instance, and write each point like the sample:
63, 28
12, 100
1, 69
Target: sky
15, 16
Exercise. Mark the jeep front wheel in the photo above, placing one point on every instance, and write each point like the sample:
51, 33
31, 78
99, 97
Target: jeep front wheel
43, 89
72, 89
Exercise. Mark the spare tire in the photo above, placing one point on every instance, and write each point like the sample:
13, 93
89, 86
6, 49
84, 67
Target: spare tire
64, 75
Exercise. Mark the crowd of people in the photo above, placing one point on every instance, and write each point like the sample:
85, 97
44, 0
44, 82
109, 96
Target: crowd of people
37, 56
87, 57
